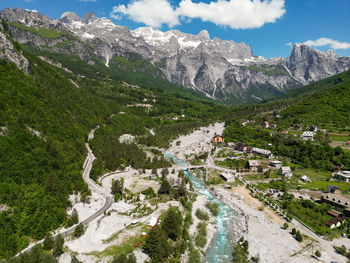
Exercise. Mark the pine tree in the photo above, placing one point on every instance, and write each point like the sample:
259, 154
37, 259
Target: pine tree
48, 242
156, 245
298, 236
164, 186
172, 223
79, 230
75, 217
58, 247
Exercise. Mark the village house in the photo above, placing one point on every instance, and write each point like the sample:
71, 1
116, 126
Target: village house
253, 165
286, 172
276, 114
297, 126
266, 124
313, 128
154, 221
285, 132
335, 222
276, 164
218, 139
240, 146
308, 136
263, 152
230, 178
333, 189
305, 179
337, 201
344, 176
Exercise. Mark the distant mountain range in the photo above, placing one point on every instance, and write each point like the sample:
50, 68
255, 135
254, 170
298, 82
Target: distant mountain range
222, 70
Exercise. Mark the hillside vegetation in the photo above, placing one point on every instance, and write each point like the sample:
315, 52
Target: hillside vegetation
45, 117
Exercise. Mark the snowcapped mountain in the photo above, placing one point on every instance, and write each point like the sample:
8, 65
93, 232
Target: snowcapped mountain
221, 69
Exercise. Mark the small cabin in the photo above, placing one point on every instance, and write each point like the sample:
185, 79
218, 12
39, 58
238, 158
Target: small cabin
218, 139
153, 222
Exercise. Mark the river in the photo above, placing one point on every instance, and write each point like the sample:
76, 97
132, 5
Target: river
228, 223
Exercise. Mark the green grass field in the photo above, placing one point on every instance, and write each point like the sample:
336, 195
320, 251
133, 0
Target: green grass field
313, 174
322, 185
340, 138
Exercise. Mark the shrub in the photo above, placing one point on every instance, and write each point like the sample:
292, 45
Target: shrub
285, 226
202, 215
317, 253
294, 231
298, 236
213, 207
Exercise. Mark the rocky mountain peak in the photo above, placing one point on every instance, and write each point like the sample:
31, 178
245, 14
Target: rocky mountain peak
89, 17
30, 18
70, 18
204, 35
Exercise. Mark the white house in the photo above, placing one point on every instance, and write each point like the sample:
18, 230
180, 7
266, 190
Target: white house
276, 164
266, 153
153, 222
308, 136
230, 178
286, 172
253, 165
344, 176
305, 179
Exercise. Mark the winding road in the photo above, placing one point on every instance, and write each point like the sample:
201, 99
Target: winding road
93, 187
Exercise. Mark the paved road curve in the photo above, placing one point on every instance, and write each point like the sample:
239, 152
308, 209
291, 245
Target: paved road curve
93, 187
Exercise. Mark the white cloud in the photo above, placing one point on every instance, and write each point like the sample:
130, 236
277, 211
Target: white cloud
289, 44
236, 14
150, 12
335, 44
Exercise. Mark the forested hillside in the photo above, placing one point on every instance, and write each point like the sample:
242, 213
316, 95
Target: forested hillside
45, 117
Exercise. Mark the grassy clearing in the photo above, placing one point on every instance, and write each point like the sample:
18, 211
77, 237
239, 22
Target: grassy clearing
126, 247
48, 33
322, 185
340, 138
314, 174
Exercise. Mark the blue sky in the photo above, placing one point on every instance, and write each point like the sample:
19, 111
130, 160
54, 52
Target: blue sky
271, 27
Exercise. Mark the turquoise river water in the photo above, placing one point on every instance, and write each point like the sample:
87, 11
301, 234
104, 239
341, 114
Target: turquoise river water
228, 224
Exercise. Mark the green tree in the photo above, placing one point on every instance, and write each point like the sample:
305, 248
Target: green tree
294, 231
164, 186
73, 259
121, 258
317, 254
131, 258
75, 217
117, 188
58, 247
48, 243
79, 230
172, 223
156, 245
298, 236
285, 226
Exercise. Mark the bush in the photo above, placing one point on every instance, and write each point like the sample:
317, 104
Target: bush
202, 215
213, 207
48, 242
298, 236
294, 231
285, 226
317, 253
79, 230
58, 247
201, 238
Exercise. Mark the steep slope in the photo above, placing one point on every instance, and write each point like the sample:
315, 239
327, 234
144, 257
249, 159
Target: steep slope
223, 70
46, 112
325, 103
